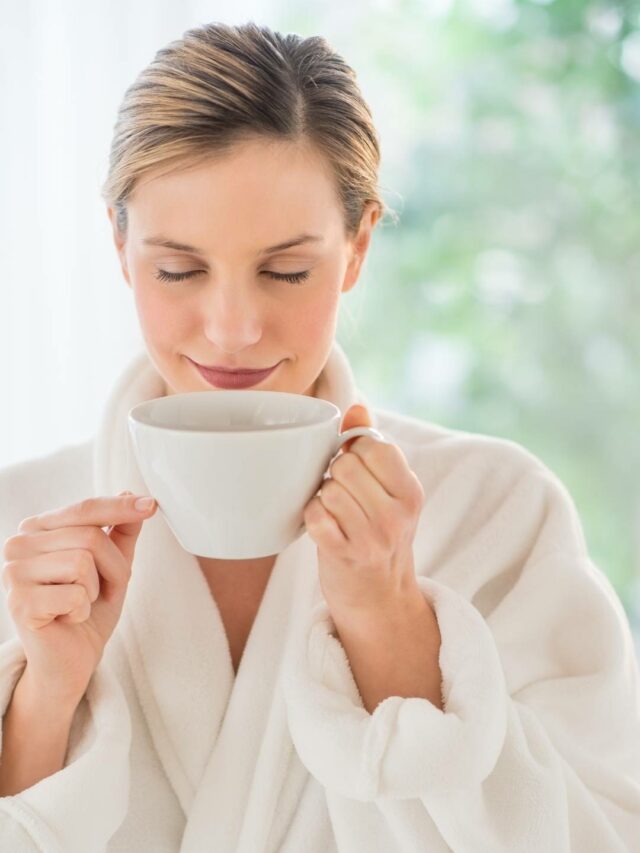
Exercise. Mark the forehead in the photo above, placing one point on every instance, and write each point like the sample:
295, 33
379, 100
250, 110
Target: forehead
271, 189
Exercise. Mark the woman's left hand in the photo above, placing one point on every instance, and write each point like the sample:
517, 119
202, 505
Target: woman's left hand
364, 522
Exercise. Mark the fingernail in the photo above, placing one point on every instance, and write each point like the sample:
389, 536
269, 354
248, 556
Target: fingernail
143, 504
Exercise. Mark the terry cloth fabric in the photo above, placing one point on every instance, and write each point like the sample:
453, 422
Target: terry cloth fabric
537, 747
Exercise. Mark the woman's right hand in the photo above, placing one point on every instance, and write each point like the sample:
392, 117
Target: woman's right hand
67, 579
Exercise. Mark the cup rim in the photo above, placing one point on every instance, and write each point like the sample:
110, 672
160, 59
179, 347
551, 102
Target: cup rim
138, 414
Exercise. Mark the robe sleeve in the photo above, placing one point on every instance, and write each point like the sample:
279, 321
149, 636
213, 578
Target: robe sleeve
538, 743
81, 806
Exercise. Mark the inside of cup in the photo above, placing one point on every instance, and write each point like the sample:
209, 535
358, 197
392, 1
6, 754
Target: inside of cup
234, 411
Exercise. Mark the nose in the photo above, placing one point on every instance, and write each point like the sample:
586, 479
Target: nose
232, 318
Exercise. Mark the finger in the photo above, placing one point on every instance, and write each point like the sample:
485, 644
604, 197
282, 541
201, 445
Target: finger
125, 535
388, 464
364, 487
323, 525
101, 512
94, 539
107, 556
348, 513
44, 603
111, 526
55, 568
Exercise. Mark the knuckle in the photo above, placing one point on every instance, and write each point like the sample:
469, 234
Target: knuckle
417, 495
27, 523
310, 510
391, 452
14, 603
83, 562
87, 575
328, 486
331, 490
8, 573
78, 595
83, 507
343, 465
9, 550
92, 537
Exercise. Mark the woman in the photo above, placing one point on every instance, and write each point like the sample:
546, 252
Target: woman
435, 665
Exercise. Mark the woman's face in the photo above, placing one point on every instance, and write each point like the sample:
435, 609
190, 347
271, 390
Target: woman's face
232, 311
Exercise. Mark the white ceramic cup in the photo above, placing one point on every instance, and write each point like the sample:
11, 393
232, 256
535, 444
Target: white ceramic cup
233, 470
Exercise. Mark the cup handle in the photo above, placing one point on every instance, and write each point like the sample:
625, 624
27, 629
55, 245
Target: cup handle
352, 433
340, 440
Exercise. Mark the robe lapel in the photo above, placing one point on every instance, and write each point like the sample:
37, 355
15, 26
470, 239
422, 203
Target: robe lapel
179, 656
170, 626
236, 803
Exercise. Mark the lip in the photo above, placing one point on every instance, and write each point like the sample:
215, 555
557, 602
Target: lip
233, 378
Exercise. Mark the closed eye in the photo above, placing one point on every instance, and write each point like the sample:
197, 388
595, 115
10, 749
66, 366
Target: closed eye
292, 278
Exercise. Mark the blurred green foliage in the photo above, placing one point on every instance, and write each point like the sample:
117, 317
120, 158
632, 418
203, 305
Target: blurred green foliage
505, 299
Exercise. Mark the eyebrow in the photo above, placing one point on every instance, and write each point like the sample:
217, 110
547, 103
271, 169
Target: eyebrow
183, 247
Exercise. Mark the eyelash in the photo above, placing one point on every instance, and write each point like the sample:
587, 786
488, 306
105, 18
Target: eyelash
292, 278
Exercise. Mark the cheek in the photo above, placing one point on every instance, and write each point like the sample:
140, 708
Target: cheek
315, 320
157, 315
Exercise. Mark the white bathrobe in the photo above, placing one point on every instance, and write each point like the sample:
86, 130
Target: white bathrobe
538, 745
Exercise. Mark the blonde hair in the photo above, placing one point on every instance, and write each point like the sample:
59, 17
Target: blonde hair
220, 84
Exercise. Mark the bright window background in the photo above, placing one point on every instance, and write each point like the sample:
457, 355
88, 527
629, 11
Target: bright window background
504, 301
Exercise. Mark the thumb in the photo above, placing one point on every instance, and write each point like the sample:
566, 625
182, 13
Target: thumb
125, 535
